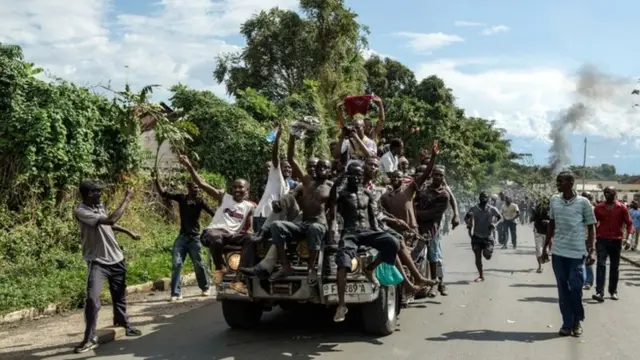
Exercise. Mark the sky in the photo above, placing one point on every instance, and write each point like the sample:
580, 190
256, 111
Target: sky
511, 61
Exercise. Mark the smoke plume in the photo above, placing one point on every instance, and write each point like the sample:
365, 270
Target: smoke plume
594, 91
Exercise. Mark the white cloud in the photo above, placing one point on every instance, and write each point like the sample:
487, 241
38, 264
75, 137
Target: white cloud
367, 53
495, 29
525, 99
426, 43
462, 23
92, 42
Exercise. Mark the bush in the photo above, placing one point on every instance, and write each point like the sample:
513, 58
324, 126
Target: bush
40, 255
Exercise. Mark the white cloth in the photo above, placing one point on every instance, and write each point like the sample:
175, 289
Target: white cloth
231, 215
276, 187
510, 212
388, 163
358, 156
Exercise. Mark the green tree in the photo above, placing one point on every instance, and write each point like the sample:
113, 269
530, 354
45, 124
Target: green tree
389, 78
230, 142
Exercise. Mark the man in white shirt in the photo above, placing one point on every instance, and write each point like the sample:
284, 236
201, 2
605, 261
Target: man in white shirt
389, 161
510, 212
276, 187
230, 225
356, 146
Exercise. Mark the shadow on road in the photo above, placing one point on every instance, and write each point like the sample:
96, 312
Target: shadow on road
542, 299
535, 286
498, 336
510, 270
202, 333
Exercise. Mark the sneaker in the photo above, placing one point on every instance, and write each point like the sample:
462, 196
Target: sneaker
577, 329
564, 332
85, 346
614, 296
206, 292
442, 289
131, 331
587, 287
598, 297
341, 314
175, 298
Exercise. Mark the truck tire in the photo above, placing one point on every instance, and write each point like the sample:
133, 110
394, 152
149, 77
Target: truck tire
243, 315
380, 317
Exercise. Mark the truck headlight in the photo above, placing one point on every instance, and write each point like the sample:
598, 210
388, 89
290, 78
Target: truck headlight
302, 249
355, 264
233, 261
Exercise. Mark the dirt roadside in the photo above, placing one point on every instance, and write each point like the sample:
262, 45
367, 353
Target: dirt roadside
58, 334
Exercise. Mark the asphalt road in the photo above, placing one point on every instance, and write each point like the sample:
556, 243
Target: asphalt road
512, 315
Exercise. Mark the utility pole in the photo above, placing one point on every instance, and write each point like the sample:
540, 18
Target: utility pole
584, 164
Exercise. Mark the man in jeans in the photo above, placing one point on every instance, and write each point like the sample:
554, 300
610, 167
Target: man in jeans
569, 214
105, 261
190, 206
510, 213
611, 216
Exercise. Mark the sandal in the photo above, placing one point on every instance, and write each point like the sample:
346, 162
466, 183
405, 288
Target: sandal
432, 292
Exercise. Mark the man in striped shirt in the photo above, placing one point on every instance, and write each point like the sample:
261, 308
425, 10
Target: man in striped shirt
569, 214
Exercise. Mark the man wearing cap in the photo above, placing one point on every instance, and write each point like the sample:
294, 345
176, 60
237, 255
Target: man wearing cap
104, 258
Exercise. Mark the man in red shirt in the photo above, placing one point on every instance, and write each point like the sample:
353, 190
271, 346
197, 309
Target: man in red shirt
611, 216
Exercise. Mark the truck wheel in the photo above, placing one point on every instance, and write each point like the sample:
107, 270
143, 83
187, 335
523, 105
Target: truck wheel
380, 317
241, 314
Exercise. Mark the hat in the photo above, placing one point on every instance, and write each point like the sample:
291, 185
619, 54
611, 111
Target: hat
90, 185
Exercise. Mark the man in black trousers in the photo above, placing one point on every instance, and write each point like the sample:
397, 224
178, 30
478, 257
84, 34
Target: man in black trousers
105, 260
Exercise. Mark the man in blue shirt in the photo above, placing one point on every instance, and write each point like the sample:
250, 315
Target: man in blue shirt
570, 214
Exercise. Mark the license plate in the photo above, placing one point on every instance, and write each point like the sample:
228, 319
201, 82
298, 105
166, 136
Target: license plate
350, 289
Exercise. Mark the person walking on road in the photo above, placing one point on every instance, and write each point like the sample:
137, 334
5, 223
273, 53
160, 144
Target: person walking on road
105, 261
190, 206
611, 216
589, 277
480, 223
510, 214
634, 212
569, 214
540, 217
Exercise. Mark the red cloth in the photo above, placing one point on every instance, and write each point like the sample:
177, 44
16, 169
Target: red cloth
610, 222
359, 104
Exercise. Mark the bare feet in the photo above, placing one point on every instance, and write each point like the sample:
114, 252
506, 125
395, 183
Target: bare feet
371, 276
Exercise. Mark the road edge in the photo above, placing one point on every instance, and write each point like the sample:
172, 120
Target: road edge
29, 314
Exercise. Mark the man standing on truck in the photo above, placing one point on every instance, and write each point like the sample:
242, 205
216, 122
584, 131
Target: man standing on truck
357, 209
190, 206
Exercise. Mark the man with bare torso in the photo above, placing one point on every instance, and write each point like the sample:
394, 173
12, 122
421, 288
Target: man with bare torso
312, 197
356, 206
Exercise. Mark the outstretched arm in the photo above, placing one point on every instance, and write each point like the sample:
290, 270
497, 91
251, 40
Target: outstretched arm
432, 163
296, 170
130, 233
216, 194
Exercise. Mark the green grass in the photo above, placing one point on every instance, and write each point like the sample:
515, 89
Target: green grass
42, 264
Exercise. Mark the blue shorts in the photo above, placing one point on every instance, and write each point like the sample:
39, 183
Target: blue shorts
434, 253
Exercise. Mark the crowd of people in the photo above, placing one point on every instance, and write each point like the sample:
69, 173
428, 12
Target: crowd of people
363, 195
